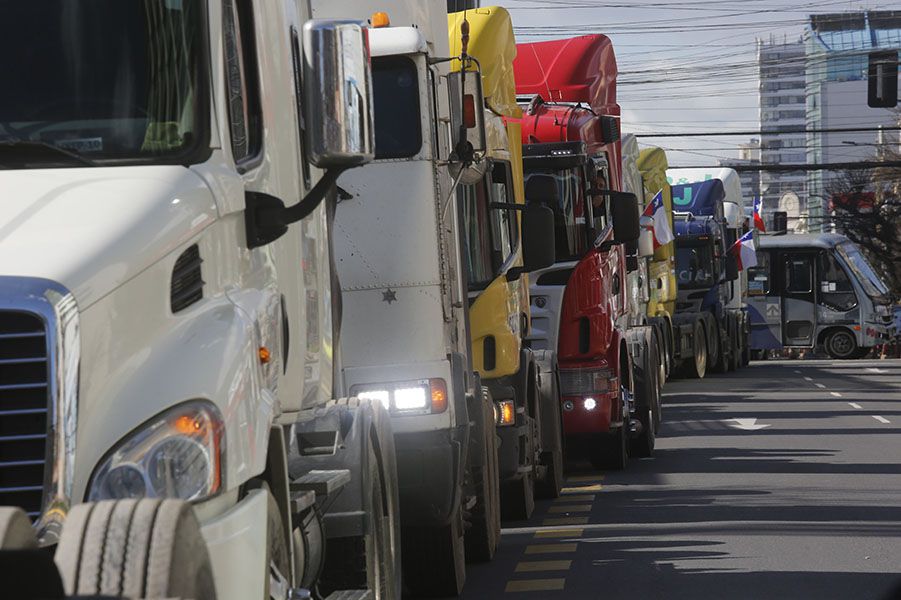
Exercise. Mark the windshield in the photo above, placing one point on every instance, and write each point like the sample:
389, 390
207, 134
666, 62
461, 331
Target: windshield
105, 79
694, 266
872, 284
569, 213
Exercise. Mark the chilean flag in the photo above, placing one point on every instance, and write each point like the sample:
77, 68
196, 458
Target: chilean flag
663, 233
745, 252
758, 218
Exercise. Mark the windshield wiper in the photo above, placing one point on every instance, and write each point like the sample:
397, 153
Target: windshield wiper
20, 151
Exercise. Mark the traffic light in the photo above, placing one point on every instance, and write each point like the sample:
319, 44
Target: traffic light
883, 79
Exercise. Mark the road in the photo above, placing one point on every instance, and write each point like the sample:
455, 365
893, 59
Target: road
782, 480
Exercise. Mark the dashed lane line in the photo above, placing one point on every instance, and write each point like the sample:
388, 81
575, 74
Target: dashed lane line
537, 566
543, 534
555, 522
550, 548
568, 508
836, 394
881, 419
535, 585
808, 379
820, 385
797, 371
855, 405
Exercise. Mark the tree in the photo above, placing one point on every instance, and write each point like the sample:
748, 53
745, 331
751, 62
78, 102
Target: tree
866, 207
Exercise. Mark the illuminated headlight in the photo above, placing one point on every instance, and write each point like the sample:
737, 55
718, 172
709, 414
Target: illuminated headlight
425, 396
176, 455
590, 404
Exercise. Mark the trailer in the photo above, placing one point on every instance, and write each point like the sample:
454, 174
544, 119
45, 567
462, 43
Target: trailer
171, 427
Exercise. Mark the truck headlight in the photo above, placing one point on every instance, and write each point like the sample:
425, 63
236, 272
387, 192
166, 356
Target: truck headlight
425, 396
178, 454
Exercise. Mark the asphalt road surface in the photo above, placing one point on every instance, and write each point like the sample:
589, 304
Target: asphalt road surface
782, 480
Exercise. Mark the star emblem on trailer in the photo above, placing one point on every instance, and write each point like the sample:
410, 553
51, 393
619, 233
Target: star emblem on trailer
389, 296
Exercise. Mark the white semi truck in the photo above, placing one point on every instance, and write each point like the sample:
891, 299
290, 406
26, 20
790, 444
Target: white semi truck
168, 308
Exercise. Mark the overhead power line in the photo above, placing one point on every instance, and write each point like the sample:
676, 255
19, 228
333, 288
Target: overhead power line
787, 130
842, 166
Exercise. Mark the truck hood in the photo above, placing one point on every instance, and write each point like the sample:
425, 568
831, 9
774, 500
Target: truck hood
92, 229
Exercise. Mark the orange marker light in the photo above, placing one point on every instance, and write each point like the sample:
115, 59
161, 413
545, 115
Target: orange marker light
188, 425
379, 19
265, 355
439, 395
508, 412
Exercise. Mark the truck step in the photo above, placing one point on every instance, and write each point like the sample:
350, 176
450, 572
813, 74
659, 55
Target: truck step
321, 483
351, 595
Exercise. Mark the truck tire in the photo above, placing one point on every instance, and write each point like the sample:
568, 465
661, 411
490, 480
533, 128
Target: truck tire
436, 559
696, 366
145, 548
16, 532
611, 452
719, 361
841, 344
647, 400
484, 530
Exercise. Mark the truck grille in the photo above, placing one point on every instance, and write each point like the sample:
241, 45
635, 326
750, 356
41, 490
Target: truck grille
23, 410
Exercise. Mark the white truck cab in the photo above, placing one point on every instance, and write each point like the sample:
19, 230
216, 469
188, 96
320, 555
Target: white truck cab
167, 300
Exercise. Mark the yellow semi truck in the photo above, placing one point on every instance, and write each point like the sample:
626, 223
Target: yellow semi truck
504, 241
661, 269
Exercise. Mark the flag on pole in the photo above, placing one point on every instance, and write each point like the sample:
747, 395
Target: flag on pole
663, 233
745, 251
758, 218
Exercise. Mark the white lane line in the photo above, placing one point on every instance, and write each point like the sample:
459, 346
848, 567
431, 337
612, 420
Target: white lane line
855, 405
820, 385
875, 370
881, 419
808, 379
836, 394
797, 371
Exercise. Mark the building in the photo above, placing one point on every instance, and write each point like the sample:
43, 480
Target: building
837, 47
748, 154
782, 88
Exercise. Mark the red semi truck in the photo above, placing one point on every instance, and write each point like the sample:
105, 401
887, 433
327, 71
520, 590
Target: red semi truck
572, 154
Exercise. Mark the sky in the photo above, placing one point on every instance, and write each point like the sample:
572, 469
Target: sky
684, 65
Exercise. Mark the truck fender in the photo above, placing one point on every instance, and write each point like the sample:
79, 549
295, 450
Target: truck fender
549, 398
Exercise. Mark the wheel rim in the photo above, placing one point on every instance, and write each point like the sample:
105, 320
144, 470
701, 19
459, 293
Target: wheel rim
842, 344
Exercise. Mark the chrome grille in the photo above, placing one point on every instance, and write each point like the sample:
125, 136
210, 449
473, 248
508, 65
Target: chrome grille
23, 410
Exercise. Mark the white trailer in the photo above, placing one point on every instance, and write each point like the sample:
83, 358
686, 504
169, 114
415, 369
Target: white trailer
167, 327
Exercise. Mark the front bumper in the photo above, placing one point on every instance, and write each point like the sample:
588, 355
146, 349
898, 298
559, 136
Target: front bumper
604, 417
236, 540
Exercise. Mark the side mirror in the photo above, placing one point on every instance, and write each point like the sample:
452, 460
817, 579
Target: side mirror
538, 243
467, 112
624, 210
731, 267
338, 89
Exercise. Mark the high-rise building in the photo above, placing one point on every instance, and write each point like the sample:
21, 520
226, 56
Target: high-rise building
748, 154
781, 67
837, 47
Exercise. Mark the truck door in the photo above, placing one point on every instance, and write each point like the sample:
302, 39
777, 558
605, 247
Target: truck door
764, 303
798, 299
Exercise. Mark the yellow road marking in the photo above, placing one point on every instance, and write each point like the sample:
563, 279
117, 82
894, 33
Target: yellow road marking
569, 508
566, 521
534, 566
535, 585
576, 498
585, 479
582, 489
559, 533
550, 548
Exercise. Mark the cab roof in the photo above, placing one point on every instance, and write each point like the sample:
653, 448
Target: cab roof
492, 43
579, 69
802, 240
